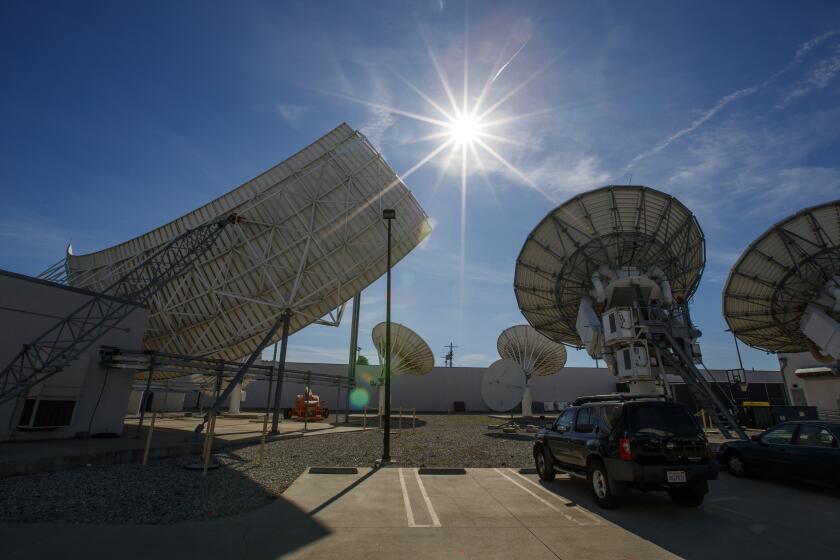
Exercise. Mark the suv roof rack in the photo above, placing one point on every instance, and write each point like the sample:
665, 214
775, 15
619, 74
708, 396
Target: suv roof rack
620, 397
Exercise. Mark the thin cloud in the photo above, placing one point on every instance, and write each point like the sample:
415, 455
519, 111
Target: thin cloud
820, 76
291, 113
726, 100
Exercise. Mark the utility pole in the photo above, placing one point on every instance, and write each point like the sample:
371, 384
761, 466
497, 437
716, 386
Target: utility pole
450, 356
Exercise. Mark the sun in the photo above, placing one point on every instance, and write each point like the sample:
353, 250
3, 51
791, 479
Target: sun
468, 130
465, 130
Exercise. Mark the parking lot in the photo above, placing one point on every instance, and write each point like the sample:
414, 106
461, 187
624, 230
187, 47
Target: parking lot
480, 513
503, 513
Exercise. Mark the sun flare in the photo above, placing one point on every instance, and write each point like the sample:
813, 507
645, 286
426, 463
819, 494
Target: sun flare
468, 131
465, 130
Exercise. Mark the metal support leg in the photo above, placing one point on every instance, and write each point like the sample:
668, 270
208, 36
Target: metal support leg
144, 399
237, 379
354, 342
337, 400
278, 390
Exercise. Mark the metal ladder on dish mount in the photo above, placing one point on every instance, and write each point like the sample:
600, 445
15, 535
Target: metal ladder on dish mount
673, 352
65, 341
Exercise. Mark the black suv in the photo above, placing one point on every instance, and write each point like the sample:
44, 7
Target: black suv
617, 441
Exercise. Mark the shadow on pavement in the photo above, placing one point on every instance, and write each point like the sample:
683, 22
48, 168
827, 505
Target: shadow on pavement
267, 533
739, 519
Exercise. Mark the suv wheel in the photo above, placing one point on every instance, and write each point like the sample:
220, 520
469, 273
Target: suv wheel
599, 483
545, 467
735, 464
689, 497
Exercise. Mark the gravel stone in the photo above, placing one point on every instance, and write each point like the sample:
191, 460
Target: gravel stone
165, 492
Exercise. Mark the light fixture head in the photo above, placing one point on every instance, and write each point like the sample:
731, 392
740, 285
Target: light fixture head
389, 214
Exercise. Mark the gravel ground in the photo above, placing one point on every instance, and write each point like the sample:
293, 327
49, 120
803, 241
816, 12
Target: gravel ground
165, 492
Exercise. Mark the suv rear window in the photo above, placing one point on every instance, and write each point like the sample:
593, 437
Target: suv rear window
661, 419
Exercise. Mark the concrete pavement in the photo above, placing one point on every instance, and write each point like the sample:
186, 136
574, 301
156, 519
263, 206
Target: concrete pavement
483, 513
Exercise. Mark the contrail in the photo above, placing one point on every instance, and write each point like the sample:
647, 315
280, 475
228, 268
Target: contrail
505, 65
803, 49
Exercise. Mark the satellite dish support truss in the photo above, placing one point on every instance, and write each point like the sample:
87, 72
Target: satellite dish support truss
68, 339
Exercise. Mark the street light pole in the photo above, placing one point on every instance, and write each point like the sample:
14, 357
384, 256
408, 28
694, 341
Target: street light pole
388, 215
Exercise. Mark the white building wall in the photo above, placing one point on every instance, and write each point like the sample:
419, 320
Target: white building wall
28, 307
437, 391
822, 392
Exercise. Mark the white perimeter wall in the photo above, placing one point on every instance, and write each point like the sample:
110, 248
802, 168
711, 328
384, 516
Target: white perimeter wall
437, 391
28, 307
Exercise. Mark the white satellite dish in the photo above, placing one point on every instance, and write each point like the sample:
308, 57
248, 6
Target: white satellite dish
311, 236
613, 270
537, 355
502, 385
410, 355
783, 293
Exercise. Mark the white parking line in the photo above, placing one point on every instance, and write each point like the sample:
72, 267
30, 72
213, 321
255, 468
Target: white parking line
408, 513
432, 514
564, 514
407, 501
592, 516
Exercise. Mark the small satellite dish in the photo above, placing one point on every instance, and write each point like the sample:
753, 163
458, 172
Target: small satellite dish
783, 293
409, 353
535, 353
502, 385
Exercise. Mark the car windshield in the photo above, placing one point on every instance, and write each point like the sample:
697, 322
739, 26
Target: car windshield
662, 420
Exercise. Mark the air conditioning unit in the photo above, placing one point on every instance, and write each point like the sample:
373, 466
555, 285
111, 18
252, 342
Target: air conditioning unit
618, 325
633, 361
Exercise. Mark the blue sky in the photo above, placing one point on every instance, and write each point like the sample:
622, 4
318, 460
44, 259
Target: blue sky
117, 117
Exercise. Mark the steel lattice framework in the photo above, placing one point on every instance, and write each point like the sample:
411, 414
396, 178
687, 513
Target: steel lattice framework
311, 238
62, 344
613, 227
409, 353
535, 353
779, 274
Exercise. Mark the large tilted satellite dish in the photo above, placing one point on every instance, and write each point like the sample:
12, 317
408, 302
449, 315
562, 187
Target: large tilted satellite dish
783, 293
311, 236
409, 353
602, 232
502, 385
537, 355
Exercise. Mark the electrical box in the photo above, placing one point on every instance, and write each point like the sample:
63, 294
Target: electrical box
822, 329
696, 355
619, 325
633, 361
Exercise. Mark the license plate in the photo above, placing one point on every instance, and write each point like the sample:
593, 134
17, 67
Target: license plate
675, 477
